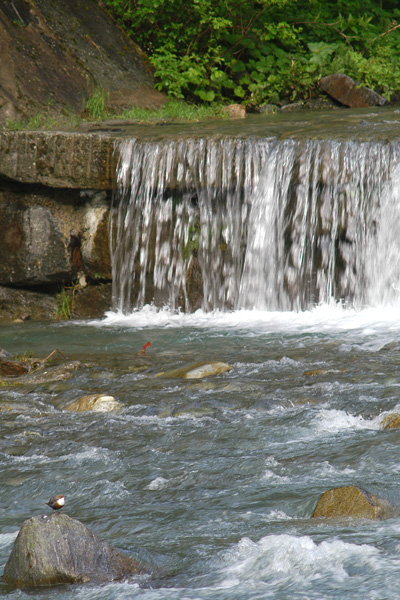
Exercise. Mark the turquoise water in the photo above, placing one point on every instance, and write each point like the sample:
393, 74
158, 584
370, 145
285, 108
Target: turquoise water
212, 483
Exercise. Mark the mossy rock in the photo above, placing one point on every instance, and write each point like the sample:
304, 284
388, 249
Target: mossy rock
391, 421
353, 502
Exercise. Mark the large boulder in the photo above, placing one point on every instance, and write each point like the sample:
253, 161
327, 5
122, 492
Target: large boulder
50, 235
352, 501
55, 549
348, 92
55, 52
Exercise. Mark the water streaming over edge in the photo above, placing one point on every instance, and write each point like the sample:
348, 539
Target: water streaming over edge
269, 224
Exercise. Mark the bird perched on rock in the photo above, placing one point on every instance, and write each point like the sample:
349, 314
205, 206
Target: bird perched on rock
56, 502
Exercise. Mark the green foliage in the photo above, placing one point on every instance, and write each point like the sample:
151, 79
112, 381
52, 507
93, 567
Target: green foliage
96, 105
254, 51
63, 305
175, 110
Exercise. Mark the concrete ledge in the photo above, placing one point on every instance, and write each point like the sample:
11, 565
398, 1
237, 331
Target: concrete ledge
58, 159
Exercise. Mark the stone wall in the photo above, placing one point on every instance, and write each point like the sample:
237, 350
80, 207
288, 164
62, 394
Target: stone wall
55, 199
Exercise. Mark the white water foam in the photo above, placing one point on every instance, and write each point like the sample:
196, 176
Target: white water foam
336, 421
297, 560
371, 327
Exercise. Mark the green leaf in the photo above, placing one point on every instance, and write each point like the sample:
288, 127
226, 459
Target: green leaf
206, 95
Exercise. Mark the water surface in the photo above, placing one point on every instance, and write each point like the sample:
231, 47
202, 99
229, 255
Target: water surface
212, 483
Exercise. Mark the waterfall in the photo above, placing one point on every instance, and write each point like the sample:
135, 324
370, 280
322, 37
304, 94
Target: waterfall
265, 223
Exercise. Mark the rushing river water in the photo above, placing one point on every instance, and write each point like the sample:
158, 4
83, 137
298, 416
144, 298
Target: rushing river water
212, 483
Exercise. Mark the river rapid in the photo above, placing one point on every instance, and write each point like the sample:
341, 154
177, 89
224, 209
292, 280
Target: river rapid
212, 483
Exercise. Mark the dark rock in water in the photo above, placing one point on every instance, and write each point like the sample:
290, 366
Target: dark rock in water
344, 89
352, 501
10, 368
55, 549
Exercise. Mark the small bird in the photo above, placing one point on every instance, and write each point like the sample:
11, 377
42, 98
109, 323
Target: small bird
56, 502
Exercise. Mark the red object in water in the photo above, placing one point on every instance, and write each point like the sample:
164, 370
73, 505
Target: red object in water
145, 346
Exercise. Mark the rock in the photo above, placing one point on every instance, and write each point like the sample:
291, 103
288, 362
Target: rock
55, 549
347, 91
197, 370
294, 107
353, 501
50, 236
91, 301
45, 374
55, 53
391, 421
235, 111
12, 369
268, 109
315, 372
95, 403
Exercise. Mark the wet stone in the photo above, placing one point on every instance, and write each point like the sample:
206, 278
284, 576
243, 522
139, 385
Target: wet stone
55, 549
354, 502
95, 403
197, 370
391, 421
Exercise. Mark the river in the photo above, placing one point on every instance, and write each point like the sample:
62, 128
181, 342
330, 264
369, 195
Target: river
212, 483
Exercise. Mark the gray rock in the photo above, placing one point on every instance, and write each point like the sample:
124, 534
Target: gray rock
55, 549
52, 235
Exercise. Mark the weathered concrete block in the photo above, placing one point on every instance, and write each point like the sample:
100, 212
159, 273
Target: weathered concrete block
58, 159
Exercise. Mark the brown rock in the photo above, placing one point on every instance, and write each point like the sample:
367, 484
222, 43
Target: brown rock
352, 501
235, 111
12, 369
345, 90
391, 421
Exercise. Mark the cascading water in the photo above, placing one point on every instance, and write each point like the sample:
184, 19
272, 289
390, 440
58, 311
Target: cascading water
265, 223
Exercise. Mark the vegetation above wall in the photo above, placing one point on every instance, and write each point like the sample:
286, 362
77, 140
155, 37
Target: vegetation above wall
264, 51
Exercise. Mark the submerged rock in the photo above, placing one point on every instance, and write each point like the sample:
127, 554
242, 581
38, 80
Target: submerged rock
391, 421
197, 370
353, 501
347, 91
55, 549
45, 374
95, 403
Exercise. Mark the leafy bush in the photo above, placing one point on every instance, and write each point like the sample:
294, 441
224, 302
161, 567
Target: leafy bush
255, 51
